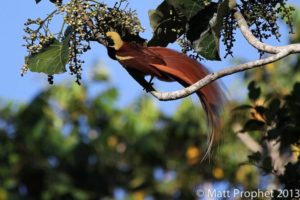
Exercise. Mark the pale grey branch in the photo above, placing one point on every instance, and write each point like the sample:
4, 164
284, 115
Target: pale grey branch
165, 96
242, 23
250, 143
279, 53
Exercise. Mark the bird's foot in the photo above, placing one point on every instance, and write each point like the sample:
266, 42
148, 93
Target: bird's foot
149, 87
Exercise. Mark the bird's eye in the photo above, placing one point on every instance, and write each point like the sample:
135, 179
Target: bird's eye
110, 42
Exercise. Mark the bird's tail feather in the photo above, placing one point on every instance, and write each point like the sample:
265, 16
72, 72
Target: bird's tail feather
187, 71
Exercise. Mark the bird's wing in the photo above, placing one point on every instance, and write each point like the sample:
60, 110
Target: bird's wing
179, 66
138, 58
174, 73
140, 53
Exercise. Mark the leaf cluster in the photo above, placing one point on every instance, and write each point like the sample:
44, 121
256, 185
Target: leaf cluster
274, 118
277, 123
83, 21
196, 25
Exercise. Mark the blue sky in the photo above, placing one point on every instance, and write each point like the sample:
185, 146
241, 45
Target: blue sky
15, 88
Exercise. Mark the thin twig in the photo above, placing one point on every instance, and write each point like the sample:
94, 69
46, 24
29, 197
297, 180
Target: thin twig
97, 35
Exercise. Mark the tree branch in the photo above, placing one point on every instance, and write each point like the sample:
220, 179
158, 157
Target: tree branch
242, 23
245, 30
97, 36
249, 142
279, 53
165, 96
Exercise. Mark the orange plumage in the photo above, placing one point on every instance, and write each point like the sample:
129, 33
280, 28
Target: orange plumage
169, 65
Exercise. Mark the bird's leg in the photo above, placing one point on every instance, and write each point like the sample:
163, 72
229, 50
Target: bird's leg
151, 79
140, 78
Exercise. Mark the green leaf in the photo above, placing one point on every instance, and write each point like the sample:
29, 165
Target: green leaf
56, 1
202, 25
100, 74
167, 24
274, 104
273, 108
188, 7
267, 164
205, 39
273, 134
69, 30
296, 91
254, 91
207, 45
205, 27
243, 107
52, 59
255, 157
260, 110
223, 10
253, 125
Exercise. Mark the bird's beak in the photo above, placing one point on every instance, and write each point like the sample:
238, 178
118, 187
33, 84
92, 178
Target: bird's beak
109, 42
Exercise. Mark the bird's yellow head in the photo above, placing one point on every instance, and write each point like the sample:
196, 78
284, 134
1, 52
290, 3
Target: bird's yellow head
114, 40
